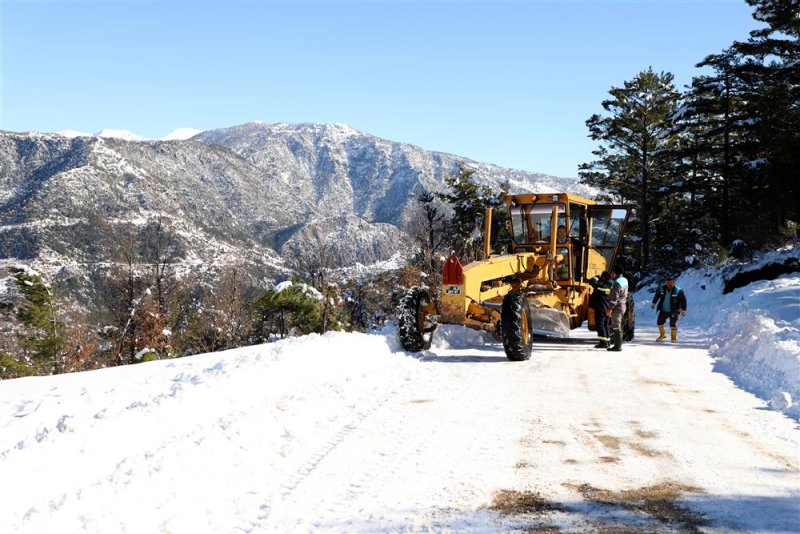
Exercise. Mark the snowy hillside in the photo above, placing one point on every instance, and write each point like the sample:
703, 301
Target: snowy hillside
255, 191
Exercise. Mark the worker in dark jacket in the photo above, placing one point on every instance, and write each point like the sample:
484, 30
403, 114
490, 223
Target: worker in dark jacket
670, 301
600, 303
618, 302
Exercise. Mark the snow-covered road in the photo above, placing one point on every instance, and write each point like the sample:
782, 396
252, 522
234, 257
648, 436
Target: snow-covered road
343, 433
576, 439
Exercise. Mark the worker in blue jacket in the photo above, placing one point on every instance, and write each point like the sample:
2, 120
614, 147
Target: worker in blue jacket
617, 302
670, 301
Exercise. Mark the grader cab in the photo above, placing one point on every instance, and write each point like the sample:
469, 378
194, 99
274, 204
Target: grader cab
559, 243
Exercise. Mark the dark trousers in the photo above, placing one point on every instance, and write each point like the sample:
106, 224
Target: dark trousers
662, 318
602, 324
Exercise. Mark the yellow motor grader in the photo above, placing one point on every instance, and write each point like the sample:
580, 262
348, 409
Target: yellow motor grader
559, 242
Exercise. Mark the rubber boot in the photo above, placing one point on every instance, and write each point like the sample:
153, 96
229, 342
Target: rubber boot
616, 339
602, 343
674, 335
662, 333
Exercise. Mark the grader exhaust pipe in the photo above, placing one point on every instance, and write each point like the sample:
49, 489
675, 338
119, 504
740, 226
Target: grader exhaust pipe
487, 234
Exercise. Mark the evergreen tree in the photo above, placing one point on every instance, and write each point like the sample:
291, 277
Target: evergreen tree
720, 111
770, 70
43, 343
11, 368
634, 158
501, 236
286, 312
746, 117
684, 219
468, 201
333, 315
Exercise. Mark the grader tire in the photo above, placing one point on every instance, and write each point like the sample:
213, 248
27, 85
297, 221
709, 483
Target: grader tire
628, 321
415, 334
515, 326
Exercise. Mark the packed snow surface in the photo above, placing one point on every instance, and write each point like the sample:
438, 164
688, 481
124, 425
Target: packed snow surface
345, 432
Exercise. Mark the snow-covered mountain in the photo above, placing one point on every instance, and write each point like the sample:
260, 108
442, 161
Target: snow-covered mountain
120, 134
73, 133
176, 134
347, 171
181, 133
256, 193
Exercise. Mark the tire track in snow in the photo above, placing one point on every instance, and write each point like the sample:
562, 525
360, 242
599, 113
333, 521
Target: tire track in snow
390, 460
287, 488
371, 483
415, 445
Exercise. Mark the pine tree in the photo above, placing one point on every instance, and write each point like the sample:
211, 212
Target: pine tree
685, 216
44, 341
720, 114
287, 312
698, 202
501, 236
634, 157
468, 201
11, 368
770, 70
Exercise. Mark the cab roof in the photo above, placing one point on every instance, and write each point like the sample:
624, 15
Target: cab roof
533, 198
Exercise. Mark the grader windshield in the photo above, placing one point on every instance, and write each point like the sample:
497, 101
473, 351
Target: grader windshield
607, 224
587, 235
531, 223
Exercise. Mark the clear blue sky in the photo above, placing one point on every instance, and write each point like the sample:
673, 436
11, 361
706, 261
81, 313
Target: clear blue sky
510, 83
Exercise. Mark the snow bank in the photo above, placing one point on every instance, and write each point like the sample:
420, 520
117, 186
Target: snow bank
754, 331
456, 337
252, 416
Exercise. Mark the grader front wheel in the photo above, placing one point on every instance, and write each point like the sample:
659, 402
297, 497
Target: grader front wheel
416, 331
515, 325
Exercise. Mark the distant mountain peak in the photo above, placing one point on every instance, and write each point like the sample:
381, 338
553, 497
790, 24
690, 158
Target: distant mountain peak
180, 134
120, 134
73, 133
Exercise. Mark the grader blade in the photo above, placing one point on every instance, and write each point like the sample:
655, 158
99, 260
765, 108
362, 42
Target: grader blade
549, 322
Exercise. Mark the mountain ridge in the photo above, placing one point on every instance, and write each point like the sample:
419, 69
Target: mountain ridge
257, 193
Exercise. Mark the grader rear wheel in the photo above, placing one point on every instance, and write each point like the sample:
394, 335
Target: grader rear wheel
416, 331
515, 325
629, 321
